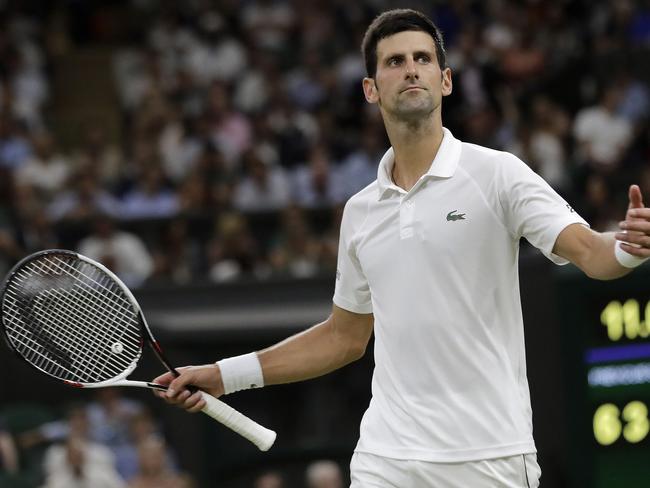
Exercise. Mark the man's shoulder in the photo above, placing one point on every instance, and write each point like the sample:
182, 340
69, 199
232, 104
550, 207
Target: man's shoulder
475, 150
359, 204
485, 157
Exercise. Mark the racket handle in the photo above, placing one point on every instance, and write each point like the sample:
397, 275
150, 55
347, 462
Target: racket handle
262, 437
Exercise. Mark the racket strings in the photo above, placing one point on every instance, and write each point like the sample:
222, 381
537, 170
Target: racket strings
105, 298
84, 361
53, 317
95, 313
65, 302
72, 320
107, 294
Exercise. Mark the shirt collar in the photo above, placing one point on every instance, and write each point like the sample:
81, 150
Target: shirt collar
443, 166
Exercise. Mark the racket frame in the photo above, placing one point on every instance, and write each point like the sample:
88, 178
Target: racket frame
119, 380
262, 437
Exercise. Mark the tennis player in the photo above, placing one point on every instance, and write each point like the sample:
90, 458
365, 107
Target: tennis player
428, 260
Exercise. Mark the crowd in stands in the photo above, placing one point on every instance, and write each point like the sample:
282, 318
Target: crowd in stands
114, 442
245, 129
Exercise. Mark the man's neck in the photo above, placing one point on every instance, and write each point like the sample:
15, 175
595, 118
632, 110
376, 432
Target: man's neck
415, 147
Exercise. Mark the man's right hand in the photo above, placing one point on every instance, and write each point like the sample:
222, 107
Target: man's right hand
206, 377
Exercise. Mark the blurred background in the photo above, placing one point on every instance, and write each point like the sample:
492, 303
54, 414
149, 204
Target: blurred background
203, 150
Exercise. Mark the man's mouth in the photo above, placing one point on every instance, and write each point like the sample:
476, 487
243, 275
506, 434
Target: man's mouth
411, 88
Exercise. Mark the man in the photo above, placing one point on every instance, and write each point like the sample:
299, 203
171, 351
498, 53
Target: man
428, 259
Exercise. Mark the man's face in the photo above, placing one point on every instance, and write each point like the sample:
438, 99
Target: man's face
408, 84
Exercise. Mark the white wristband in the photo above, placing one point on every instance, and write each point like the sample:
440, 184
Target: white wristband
626, 259
241, 373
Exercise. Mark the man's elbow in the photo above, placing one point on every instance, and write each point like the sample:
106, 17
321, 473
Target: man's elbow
357, 351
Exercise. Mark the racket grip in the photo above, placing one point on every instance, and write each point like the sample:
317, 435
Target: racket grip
262, 437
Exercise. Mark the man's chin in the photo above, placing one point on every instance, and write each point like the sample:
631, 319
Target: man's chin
413, 112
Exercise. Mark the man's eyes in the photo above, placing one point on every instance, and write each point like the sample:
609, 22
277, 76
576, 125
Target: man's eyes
396, 61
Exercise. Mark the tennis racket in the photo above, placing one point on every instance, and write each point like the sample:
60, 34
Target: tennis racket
74, 320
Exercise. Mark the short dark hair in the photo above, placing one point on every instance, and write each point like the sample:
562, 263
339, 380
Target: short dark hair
393, 22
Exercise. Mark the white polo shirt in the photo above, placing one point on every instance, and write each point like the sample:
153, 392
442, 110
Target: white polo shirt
437, 266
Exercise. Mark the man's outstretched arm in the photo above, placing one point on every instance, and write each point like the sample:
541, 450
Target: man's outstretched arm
594, 252
319, 350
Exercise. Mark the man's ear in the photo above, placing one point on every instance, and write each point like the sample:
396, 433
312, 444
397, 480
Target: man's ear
447, 85
370, 90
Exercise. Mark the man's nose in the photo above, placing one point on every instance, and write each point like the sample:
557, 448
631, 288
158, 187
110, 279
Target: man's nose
411, 69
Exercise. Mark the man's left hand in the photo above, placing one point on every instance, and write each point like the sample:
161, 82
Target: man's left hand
635, 234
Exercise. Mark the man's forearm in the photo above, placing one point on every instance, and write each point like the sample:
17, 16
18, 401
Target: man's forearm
317, 351
600, 262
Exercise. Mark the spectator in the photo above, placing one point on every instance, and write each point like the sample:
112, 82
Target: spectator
541, 144
272, 479
602, 135
76, 426
635, 98
180, 147
229, 130
296, 251
98, 155
110, 417
154, 470
84, 199
208, 187
77, 470
329, 241
597, 205
219, 55
268, 23
233, 252
178, 256
359, 168
324, 474
15, 147
264, 188
151, 198
310, 82
8, 451
141, 428
293, 129
122, 252
317, 184
47, 171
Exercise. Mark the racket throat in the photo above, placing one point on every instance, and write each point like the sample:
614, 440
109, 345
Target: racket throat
159, 353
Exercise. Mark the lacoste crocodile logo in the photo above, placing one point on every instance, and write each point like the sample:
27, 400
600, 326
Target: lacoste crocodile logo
453, 216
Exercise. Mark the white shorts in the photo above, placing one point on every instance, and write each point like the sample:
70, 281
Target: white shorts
370, 471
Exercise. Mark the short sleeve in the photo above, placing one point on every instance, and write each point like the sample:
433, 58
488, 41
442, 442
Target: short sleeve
532, 208
351, 291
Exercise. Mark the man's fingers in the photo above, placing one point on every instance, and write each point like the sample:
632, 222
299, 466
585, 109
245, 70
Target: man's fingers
642, 226
194, 403
164, 379
636, 199
180, 384
638, 213
159, 394
641, 240
641, 252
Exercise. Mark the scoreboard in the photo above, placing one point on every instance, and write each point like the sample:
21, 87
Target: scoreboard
606, 325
